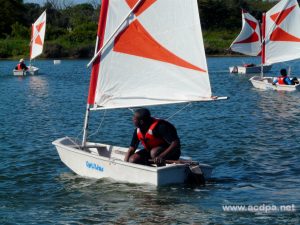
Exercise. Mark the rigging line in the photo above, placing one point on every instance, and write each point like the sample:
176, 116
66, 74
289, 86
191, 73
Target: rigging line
131, 110
71, 140
184, 107
77, 137
97, 131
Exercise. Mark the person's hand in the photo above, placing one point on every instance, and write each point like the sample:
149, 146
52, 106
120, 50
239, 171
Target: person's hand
159, 161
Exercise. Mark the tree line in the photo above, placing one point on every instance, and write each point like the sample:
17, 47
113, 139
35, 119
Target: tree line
71, 28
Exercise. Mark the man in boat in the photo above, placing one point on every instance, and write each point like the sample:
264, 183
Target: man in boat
21, 65
283, 79
158, 137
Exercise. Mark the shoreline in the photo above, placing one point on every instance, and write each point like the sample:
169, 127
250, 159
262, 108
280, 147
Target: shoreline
74, 58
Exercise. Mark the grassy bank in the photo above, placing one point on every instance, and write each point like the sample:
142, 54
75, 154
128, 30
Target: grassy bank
216, 43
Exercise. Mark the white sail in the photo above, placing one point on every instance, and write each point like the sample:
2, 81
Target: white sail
38, 36
157, 57
283, 32
248, 41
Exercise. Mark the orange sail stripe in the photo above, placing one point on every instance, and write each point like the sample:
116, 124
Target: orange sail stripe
144, 5
32, 30
281, 35
96, 64
135, 40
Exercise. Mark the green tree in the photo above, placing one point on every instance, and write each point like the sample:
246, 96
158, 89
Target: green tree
20, 31
10, 12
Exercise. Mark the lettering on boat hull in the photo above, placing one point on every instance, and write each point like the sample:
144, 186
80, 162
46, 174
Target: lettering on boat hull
94, 166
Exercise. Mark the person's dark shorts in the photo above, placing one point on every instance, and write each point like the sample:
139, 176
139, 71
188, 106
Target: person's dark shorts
145, 155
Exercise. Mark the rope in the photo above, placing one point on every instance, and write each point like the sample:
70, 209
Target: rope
79, 147
97, 131
131, 110
184, 107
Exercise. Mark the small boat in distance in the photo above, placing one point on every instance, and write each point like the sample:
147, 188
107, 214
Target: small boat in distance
249, 43
56, 61
281, 41
147, 53
38, 30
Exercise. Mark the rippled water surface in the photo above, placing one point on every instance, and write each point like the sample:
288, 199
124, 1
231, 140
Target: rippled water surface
252, 140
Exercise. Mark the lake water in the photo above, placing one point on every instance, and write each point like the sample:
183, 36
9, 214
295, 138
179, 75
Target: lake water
252, 140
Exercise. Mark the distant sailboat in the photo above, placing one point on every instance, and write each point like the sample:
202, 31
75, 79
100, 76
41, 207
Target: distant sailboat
281, 41
249, 43
36, 44
147, 53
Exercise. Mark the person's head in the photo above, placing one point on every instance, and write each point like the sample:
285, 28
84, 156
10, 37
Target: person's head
283, 72
21, 60
142, 118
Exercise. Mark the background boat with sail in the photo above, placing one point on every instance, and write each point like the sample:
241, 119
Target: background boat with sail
36, 45
135, 51
248, 43
281, 41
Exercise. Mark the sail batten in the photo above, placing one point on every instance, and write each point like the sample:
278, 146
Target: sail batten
157, 56
37, 36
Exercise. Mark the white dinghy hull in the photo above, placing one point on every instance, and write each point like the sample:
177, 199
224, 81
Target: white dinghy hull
20, 72
265, 83
249, 70
104, 161
31, 71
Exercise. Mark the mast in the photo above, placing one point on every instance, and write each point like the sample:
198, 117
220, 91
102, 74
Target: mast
96, 67
100, 45
263, 49
31, 38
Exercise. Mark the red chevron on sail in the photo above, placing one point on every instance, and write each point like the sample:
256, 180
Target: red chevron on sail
281, 35
135, 40
253, 37
40, 26
279, 17
144, 5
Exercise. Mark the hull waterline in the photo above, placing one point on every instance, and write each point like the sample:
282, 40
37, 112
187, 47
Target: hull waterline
31, 71
105, 161
249, 70
265, 83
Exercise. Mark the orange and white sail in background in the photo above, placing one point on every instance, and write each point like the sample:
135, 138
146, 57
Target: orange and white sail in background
38, 36
282, 32
248, 41
156, 57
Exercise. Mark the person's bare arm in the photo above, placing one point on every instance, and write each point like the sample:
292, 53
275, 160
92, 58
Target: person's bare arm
174, 144
129, 153
160, 158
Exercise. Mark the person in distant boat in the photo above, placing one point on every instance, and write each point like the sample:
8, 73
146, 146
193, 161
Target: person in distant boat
21, 65
158, 137
283, 79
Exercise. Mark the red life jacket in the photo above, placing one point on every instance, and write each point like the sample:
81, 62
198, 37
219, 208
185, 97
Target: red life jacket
19, 66
148, 140
281, 80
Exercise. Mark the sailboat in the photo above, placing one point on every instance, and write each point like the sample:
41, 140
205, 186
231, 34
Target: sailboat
38, 30
281, 41
249, 43
148, 52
